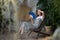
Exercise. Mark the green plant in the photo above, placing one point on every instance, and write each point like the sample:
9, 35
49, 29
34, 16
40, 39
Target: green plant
1, 16
4, 21
51, 8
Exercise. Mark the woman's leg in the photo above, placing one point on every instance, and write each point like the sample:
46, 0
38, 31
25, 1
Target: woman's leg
22, 30
19, 31
25, 27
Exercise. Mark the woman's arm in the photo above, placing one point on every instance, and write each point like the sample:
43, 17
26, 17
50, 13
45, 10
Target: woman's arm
43, 14
31, 19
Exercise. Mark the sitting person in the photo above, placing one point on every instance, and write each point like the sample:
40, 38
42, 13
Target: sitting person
26, 26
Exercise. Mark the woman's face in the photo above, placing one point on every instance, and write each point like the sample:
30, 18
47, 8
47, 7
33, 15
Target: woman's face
39, 12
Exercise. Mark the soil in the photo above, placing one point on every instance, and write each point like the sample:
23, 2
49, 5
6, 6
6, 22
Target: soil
14, 36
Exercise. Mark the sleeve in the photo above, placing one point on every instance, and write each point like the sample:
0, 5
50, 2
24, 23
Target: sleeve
41, 17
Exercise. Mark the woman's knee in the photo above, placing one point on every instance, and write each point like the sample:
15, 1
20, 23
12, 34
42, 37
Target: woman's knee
24, 23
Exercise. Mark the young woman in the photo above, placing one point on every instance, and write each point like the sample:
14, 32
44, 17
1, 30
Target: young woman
26, 26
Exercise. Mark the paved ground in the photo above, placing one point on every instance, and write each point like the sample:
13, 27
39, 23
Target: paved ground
13, 36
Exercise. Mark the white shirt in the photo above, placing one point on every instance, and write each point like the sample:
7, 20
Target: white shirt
41, 17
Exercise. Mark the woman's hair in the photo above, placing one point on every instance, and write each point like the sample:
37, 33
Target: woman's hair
37, 11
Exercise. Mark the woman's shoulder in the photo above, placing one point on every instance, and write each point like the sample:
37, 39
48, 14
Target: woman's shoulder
40, 17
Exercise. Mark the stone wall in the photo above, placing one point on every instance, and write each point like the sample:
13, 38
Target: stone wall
18, 10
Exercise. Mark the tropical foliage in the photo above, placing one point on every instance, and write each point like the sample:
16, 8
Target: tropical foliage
52, 11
